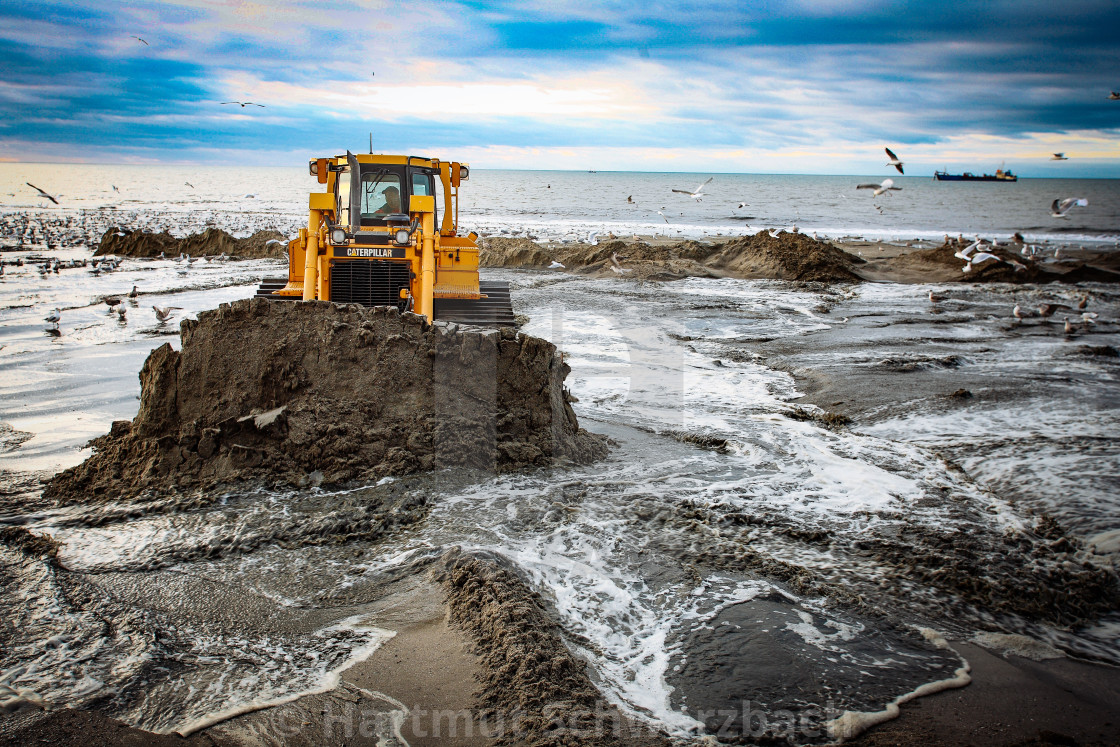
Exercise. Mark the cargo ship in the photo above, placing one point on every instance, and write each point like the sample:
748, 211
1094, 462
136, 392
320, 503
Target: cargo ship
999, 176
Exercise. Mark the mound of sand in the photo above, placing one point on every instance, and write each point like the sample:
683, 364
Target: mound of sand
790, 256
941, 265
276, 392
211, 242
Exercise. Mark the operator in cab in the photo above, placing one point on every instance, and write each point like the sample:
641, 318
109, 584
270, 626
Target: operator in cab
392, 202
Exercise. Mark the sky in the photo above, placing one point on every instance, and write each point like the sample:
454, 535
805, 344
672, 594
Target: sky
697, 86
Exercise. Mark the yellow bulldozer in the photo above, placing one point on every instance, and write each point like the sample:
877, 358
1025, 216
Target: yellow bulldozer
385, 233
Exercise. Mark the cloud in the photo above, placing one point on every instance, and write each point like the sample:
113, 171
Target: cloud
788, 86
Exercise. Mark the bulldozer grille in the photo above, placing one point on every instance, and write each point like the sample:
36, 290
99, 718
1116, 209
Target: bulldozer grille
368, 282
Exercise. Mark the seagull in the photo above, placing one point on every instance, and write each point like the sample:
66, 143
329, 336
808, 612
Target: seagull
593, 239
1069, 327
894, 160
742, 205
1017, 312
663, 216
189, 184
697, 193
935, 299
164, 312
981, 257
137, 38
1089, 316
1059, 157
111, 302
1083, 302
1114, 96
42, 193
886, 186
630, 199
121, 312
1059, 208
964, 253
556, 266
114, 186
270, 242
243, 103
774, 232
618, 268
1048, 309
53, 317
134, 292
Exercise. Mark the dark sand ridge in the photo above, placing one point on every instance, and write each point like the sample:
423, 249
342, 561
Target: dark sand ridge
287, 393
794, 256
212, 242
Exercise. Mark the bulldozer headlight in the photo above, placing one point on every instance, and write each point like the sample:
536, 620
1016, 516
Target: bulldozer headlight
403, 236
338, 236
464, 172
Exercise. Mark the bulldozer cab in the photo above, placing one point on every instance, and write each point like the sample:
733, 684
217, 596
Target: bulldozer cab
381, 190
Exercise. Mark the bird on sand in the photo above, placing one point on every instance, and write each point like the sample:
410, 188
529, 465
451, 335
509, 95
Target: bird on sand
42, 193
134, 292
617, 266
886, 186
111, 301
137, 38
54, 317
1068, 327
1048, 309
1089, 316
933, 298
593, 238
243, 103
1059, 208
556, 266
964, 253
1083, 302
697, 193
164, 312
894, 160
1017, 312
1059, 157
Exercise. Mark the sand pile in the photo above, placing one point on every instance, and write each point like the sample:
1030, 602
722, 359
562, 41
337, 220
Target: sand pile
211, 242
941, 265
283, 391
790, 256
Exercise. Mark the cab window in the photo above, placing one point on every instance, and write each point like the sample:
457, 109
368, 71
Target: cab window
381, 195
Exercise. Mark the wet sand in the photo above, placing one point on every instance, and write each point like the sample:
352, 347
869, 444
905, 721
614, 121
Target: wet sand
431, 664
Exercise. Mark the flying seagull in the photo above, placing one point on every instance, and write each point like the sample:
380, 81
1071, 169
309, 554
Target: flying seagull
189, 184
41, 192
555, 266
1114, 96
137, 38
243, 103
1059, 208
697, 193
1059, 157
894, 160
617, 266
163, 312
886, 186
